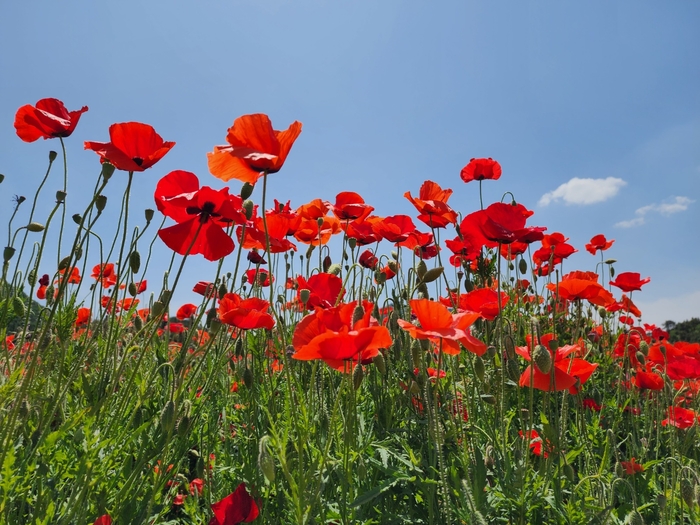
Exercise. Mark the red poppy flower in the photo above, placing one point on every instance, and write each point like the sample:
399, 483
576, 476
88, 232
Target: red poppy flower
325, 290
83, 317
246, 314
481, 300
499, 223
363, 232
105, 519
237, 507
47, 120
630, 281
133, 146
631, 467
196, 486
201, 215
332, 336
536, 443
626, 305
481, 169
278, 227
432, 205
259, 277
310, 232
351, 206
105, 274
186, 311
598, 242
437, 324
205, 289
253, 148
591, 404
582, 285
368, 260
648, 380
255, 257
680, 417
395, 228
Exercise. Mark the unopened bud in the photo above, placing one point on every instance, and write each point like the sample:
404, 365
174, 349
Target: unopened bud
414, 389
52, 155
479, 368
265, 462
214, 326
63, 263
513, 369
100, 202
380, 363
248, 378
8, 253
416, 354
421, 269
327, 263
158, 309
640, 357
357, 376
133, 291
334, 269
222, 290
542, 359
358, 313
35, 227
50, 292
488, 398
60, 196
18, 307
644, 347
167, 417
77, 219
247, 190
138, 322
522, 266
248, 208
634, 518
107, 170
148, 214
31, 277
135, 261
688, 492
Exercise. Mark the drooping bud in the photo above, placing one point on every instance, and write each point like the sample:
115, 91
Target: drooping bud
358, 313
138, 322
415, 354
222, 289
50, 292
334, 269
133, 290
35, 227
634, 518
421, 269
688, 492
247, 190
77, 219
479, 368
509, 345
165, 296
644, 347
432, 274
513, 369
18, 307
8, 253
31, 277
327, 263
248, 378
640, 357
265, 462
214, 326
158, 309
522, 265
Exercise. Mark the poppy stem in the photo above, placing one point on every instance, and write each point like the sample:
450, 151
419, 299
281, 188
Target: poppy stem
481, 198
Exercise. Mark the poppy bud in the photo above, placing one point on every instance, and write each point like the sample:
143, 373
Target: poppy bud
165, 296
334, 269
640, 357
100, 202
634, 518
358, 313
619, 470
569, 473
357, 376
432, 274
644, 347
697, 494
327, 263
52, 155
395, 255
489, 461
542, 359
63, 263
18, 307
265, 462
24, 409
183, 426
35, 227
135, 261
414, 389
611, 261
8, 253
77, 219
248, 378
522, 265
612, 272
133, 291
248, 208
380, 277
214, 326
2, 178
491, 352
158, 309
479, 368
421, 269
380, 363
222, 289
688, 492
509, 346
319, 221
304, 295
31, 277
602, 312
488, 398
468, 285
661, 501
247, 190
107, 170
310, 250
138, 323
415, 354
50, 292
60, 196
167, 417
513, 369
148, 214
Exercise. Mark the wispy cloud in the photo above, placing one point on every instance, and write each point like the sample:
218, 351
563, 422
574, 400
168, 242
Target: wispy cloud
584, 191
675, 205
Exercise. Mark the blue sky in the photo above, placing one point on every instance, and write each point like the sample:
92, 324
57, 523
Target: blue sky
390, 94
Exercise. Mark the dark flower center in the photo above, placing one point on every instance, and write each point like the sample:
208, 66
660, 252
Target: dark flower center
138, 161
206, 211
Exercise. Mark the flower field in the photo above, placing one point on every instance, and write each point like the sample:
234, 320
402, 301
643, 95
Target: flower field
336, 367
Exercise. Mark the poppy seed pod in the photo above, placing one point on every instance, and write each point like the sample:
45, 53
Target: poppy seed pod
148, 214
77, 219
8, 253
107, 170
304, 295
60, 196
100, 202
52, 155
352, 242
35, 227
319, 221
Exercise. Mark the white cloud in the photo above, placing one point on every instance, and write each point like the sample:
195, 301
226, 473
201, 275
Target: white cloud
676, 205
680, 308
584, 191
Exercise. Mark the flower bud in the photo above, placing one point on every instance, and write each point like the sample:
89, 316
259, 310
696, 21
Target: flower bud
634, 518
358, 313
415, 354
2, 178
35, 227
50, 293
334, 269
133, 291
304, 295
491, 352
640, 357
247, 190
52, 155
148, 214
107, 170
644, 347
31, 277
60, 196
513, 369
421, 269
100, 202
479, 368
509, 345
380, 363
542, 359
18, 307
165, 296
138, 322
135, 261
167, 417
357, 376
248, 378
414, 388
265, 462
214, 326
661, 501
77, 219
488, 398
688, 492
158, 309
327, 263
248, 207
522, 265
8, 253
432, 275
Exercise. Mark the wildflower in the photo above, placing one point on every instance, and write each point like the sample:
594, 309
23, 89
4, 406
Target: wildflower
680, 417
481, 300
237, 507
105, 519
186, 311
246, 314
133, 146
259, 277
368, 260
598, 242
631, 467
48, 119
104, 273
481, 169
351, 206
253, 148
325, 290
201, 215
630, 281
432, 205
537, 445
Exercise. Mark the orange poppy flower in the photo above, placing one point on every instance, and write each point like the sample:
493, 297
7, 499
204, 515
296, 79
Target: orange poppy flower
438, 325
310, 232
48, 119
133, 146
253, 148
363, 231
432, 205
582, 285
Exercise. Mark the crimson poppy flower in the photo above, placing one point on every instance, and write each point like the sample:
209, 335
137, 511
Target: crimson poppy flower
648, 380
201, 215
259, 277
582, 285
481, 300
237, 507
626, 305
253, 149
105, 519
331, 335
598, 242
73, 277
205, 289
368, 260
255, 257
196, 486
133, 146
278, 226
630, 281
536, 443
395, 228
500, 223
438, 325
186, 311
246, 314
325, 290
83, 317
363, 231
631, 467
48, 119
105, 274
680, 417
351, 206
432, 205
481, 169
591, 404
